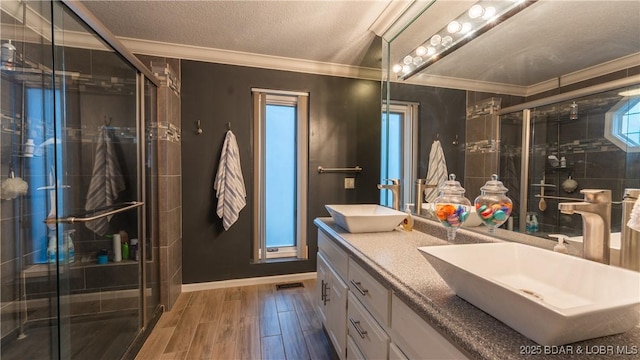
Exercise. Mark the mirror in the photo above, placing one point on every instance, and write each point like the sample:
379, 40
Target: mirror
548, 83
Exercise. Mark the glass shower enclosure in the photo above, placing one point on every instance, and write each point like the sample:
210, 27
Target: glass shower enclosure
78, 252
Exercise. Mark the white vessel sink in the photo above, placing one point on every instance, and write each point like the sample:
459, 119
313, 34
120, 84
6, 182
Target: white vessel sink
360, 218
551, 298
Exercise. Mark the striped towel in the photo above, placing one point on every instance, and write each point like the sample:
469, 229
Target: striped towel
229, 183
437, 172
634, 219
106, 181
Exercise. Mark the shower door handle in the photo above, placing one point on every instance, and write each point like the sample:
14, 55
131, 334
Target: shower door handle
74, 219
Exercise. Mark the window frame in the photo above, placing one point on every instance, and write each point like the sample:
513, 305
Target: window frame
409, 111
262, 98
613, 125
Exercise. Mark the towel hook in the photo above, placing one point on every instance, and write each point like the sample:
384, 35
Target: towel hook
107, 122
229, 125
198, 128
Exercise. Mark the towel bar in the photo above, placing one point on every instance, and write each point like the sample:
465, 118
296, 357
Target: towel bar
73, 219
355, 169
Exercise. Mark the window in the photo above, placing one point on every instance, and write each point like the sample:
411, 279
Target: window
43, 109
399, 149
280, 174
622, 124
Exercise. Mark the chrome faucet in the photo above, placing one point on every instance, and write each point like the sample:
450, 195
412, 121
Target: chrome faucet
395, 191
421, 185
596, 222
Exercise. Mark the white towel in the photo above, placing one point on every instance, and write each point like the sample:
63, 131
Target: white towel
106, 181
634, 219
437, 172
229, 183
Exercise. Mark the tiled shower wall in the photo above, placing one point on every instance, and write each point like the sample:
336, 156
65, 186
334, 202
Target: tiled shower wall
169, 179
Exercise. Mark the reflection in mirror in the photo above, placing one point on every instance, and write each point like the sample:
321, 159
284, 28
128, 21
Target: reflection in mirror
550, 117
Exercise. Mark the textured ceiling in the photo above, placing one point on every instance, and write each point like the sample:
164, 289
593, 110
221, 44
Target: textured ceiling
323, 31
549, 39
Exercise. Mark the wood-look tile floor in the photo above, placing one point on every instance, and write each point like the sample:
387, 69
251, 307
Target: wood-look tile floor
251, 322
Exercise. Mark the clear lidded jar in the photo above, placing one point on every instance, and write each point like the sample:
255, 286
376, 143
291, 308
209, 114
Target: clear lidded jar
452, 208
493, 206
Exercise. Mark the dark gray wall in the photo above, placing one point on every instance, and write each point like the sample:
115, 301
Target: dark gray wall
344, 130
441, 112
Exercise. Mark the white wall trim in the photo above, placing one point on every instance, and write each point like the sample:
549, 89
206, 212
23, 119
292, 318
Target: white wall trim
188, 52
248, 281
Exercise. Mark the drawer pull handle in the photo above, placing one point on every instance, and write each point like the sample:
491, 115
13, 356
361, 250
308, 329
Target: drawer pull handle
322, 293
358, 287
325, 294
356, 325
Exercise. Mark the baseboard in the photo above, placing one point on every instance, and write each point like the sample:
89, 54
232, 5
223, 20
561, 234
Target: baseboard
248, 281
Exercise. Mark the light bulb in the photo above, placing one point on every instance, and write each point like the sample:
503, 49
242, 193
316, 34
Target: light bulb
454, 27
435, 40
396, 68
447, 41
407, 60
417, 60
431, 50
489, 13
421, 51
476, 11
466, 27
406, 69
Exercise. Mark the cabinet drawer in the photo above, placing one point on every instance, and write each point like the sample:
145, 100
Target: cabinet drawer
395, 353
352, 350
335, 256
418, 339
370, 292
372, 341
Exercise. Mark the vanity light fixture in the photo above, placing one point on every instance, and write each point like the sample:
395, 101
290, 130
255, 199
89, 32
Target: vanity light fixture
480, 18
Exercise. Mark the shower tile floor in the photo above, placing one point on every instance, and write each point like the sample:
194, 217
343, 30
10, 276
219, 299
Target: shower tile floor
87, 339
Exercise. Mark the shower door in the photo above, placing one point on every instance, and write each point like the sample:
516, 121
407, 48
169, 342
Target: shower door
74, 222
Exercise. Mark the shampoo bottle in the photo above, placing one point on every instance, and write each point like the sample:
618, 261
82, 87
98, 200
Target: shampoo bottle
68, 236
51, 247
117, 248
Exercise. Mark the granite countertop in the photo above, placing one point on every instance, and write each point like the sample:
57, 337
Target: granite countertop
393, 259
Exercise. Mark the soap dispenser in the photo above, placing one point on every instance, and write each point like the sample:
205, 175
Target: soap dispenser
452, 208
560, 247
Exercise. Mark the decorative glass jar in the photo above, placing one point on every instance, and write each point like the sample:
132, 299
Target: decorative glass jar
452, 208
493, 206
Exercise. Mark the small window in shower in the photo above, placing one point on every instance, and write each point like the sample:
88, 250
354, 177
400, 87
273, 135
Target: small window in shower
43, 168
622, 124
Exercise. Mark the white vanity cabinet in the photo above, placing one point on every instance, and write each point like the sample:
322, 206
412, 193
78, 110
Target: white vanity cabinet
364, 319
368, 313
332, 292
415, 338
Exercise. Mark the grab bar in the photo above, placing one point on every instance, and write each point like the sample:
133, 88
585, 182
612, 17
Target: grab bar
72, 219
356, 169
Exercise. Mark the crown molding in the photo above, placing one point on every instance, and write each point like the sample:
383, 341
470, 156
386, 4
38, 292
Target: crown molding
609, 67
189, 52
389, 16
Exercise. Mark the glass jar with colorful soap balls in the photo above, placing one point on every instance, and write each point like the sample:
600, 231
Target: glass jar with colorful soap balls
493, 206
452, 208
